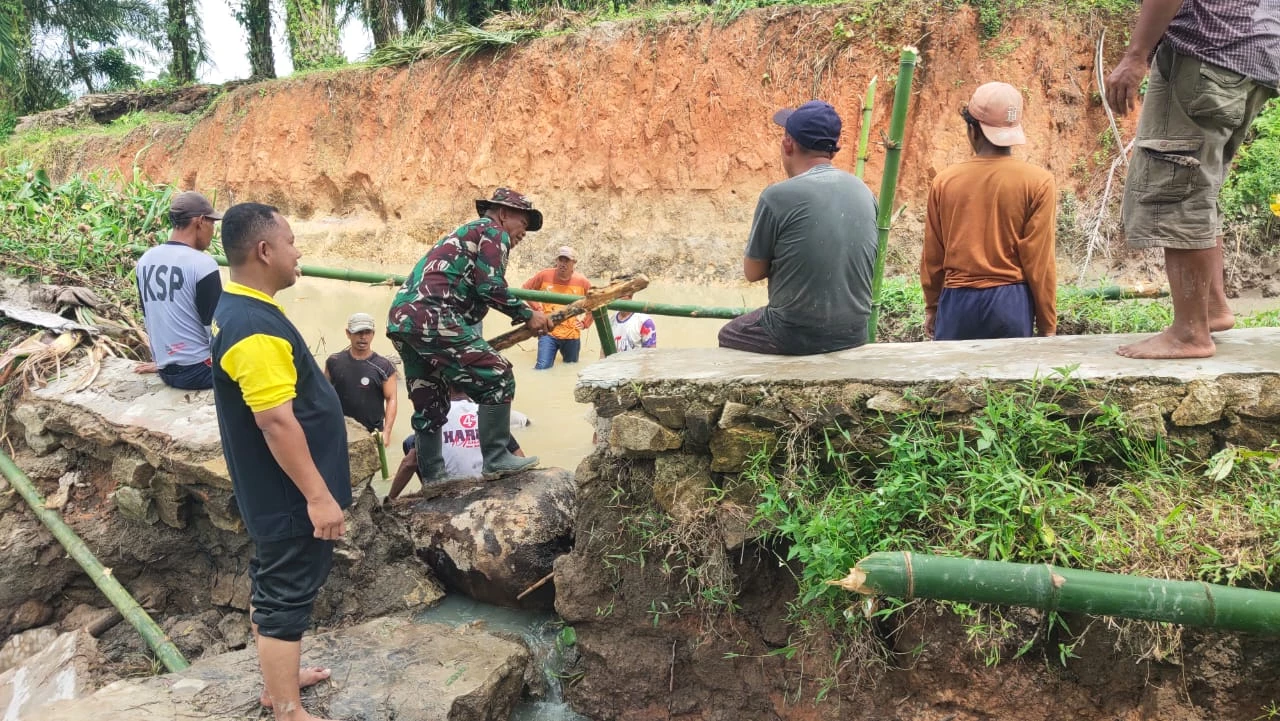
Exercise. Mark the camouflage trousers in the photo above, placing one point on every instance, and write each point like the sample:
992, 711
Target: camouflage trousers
456, 357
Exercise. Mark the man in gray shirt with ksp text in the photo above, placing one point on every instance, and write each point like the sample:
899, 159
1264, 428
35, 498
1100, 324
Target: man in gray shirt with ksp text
814, 238
179, 286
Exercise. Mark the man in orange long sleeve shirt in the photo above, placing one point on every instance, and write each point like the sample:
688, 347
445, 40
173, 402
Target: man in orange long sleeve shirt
566, 338
988, 263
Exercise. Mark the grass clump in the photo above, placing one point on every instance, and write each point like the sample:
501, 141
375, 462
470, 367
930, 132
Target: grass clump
79, 232
1253, 185
1032, 477
1081, 311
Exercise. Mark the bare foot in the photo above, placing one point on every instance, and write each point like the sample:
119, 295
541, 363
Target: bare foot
307, 676
1220, 320
1167, 345
146, 368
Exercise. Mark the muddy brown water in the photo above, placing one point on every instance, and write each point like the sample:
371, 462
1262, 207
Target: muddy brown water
560, 434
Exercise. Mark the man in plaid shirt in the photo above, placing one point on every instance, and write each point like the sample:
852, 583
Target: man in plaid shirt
1214, 64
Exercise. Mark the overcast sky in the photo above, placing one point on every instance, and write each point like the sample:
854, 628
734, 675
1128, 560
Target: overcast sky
228, 43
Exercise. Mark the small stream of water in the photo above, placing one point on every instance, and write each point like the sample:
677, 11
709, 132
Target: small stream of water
539, 632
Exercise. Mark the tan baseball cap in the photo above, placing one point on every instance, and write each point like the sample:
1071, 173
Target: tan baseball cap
192, 205
567, 251
359, 321
998, 109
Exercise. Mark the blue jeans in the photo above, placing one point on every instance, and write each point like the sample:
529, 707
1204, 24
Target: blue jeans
547, 347
195, 377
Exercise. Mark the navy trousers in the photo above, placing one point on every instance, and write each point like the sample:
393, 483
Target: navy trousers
1004, 311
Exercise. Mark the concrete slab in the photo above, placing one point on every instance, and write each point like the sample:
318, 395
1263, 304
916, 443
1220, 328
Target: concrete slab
382, 670
174, 430
1254, 351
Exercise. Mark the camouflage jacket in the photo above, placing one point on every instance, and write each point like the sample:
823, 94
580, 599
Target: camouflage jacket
456, 282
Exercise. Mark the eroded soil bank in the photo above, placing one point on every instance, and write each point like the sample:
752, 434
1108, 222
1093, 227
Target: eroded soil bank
645, 144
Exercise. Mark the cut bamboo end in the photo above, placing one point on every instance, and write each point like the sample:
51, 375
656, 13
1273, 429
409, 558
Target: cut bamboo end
855, 582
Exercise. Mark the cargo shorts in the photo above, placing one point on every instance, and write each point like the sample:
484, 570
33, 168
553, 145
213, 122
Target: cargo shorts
1194, 118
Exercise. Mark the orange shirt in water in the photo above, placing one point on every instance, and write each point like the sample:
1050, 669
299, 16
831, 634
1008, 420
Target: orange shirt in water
991, 221
577, 285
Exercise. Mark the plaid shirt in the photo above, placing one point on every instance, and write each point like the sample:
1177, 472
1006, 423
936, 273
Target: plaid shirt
1240, 35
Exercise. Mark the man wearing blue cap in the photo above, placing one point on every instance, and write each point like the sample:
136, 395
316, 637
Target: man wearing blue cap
814, 238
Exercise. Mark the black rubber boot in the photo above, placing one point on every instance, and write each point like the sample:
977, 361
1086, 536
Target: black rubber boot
495, 434
430, 448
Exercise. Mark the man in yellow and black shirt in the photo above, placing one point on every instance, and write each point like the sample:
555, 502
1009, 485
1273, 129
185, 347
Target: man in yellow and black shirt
285, 441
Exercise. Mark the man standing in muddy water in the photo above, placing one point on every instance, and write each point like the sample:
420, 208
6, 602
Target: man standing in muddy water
432, 326
1213, 65
814, 238
285, 442
566, 338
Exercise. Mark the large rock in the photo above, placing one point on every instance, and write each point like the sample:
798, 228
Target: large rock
61, 671
636, 434
22, 646
383, 670
493, 540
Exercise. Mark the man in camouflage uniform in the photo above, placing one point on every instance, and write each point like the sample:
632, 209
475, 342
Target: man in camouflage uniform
433, 326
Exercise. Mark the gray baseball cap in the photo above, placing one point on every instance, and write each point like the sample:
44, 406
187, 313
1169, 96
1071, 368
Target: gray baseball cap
192, 205
360, 321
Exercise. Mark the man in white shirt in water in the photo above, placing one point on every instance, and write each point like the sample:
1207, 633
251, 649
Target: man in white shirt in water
461, 444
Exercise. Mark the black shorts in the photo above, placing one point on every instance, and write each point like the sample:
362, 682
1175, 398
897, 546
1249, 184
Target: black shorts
285, 577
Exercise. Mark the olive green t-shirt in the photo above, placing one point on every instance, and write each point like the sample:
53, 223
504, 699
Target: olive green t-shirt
818, 233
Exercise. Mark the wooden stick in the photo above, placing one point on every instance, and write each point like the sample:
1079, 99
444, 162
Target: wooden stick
596, 300
541, 582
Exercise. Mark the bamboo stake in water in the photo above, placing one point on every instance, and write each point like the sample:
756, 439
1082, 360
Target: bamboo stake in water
864, 138
908, 575
382, 455
889, 178
164, 649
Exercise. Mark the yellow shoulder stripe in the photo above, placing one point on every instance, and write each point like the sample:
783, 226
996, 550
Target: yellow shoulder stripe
262, 365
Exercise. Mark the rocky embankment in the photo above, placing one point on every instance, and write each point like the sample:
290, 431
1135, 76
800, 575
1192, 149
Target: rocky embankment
680, 603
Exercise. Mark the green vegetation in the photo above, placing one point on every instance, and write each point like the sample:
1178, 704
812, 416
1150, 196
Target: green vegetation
81, 231
1032, 477
1247, 194
32, 146
466, 34
1080, 311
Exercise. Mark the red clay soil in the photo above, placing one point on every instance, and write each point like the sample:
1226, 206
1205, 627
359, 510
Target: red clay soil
646, 146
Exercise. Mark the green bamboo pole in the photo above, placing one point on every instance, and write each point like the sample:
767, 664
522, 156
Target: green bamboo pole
605, 330
868, 104
373, 277
382, 455
889, 178
1190, 603
164, 649
1119, 292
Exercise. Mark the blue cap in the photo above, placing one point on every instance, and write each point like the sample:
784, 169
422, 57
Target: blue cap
815, 125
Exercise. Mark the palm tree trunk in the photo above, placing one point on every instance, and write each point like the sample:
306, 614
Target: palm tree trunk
313, 33
415, 14
255, 16
182, 66
380, 15
81, 69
